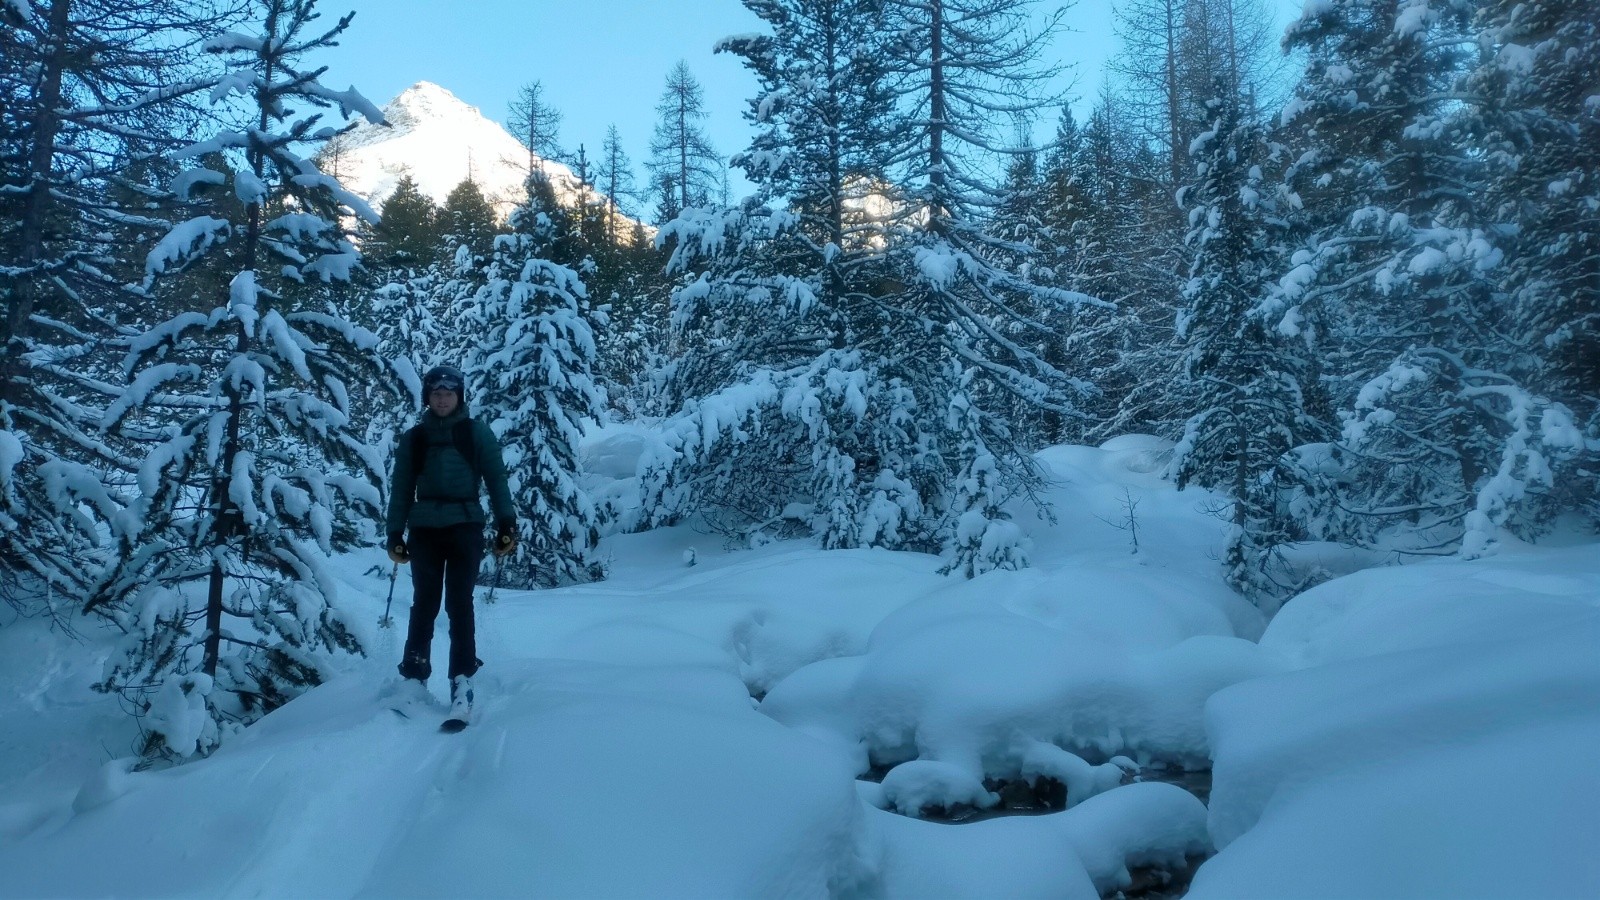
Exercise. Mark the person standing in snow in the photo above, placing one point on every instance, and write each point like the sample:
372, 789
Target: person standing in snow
439, 466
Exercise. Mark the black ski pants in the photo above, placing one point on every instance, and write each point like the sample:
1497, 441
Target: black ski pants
444, 566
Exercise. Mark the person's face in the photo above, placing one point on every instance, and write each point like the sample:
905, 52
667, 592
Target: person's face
443, 401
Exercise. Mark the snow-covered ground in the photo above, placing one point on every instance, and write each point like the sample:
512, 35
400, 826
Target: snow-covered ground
772, 722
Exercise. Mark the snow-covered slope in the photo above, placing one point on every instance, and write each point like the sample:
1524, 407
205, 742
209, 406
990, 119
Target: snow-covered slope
441, 141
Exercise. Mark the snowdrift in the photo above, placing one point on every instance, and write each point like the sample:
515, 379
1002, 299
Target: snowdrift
784, 722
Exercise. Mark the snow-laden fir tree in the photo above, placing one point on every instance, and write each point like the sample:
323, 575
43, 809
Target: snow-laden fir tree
1242, 378
835, 326
797, 401
1098, 243
958, 67
982, 534
529, 356
1535, 113
90, 92
410, 336
414, 318
222, 587
1397, 286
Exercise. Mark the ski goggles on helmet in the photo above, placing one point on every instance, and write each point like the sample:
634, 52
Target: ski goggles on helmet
446, 378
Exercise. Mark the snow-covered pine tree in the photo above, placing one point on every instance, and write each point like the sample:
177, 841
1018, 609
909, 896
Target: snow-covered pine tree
1100, 244
1441, 444
1536, 114
410, 335
793, 401
260, 473
1242, 377
415, 317
529, 360
957, 64
89, 90
982, 536
413, 311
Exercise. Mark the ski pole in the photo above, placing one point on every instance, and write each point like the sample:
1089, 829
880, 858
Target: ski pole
387, 622
495, 585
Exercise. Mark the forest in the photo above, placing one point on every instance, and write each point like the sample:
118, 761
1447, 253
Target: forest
1352, 270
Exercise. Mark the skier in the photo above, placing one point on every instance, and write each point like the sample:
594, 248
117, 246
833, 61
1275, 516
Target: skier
434, 492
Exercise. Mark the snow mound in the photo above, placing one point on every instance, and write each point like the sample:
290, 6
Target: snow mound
1422, 751
1085, 852
960, 679
918, 785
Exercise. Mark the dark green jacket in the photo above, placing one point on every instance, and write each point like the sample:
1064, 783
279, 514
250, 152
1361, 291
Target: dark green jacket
445, 491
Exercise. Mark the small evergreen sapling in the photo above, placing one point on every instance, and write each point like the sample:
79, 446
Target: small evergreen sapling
529, 360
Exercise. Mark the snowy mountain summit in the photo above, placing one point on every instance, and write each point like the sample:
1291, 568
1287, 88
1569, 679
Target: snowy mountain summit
441, 141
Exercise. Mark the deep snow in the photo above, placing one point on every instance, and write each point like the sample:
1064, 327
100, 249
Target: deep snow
1417, 730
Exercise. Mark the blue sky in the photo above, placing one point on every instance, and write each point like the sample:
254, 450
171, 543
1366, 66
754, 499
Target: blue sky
601, 63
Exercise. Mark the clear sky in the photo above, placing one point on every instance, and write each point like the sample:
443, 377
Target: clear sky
601, 62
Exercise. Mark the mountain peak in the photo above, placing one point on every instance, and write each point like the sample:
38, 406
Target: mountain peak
425, 101
440, 141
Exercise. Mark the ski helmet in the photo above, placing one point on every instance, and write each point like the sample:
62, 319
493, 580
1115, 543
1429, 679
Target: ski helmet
446, 377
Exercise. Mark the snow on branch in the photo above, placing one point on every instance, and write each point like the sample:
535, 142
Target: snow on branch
234, 40
225, 140
349, 100
184, 243
183, 184
143, 385
22, 8
289, 344
11, 453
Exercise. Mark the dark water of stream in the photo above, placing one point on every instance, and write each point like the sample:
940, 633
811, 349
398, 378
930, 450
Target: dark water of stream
1019, 798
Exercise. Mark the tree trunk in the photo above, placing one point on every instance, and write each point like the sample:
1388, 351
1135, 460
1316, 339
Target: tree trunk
936, 114
1174, 132
39, 205
229, 518
683, 151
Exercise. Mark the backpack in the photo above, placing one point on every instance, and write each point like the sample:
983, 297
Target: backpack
460, 435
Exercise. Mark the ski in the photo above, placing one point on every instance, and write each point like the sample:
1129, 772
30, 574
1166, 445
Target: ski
406, 698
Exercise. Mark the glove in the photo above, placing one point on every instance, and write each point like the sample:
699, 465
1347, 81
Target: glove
505, 538
397, 548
